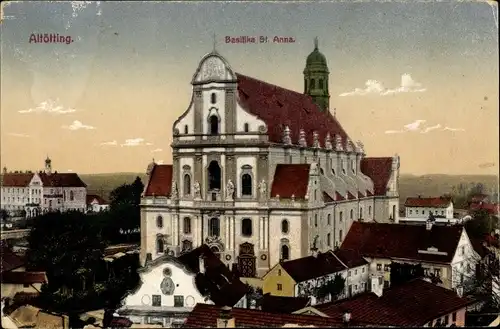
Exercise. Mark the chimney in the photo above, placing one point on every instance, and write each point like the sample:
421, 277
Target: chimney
428, 225
253, 304
201, 260
314, 252
377, 285
225, 320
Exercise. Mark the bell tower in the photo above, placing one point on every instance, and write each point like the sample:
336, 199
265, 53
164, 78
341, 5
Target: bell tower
316, 78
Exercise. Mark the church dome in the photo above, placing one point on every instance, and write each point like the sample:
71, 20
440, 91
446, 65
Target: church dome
316, 57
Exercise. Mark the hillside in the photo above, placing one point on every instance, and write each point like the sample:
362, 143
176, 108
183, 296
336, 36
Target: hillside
409, 185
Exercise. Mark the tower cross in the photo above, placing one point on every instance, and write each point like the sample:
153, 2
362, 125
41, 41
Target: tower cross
316, 43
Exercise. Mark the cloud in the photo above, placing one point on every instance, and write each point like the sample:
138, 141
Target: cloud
135, 142
112, 143
453, 129
49, 106
77, 125
426, 130
69, 170
18, 135
160, 162
394, 131
375, 87
156, 150
414, 126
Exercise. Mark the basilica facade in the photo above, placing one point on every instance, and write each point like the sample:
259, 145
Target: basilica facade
262, 174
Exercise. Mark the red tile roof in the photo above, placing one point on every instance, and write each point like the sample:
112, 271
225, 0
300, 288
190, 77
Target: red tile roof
379, 170
279, 107
403, 241
350, 196
223, 287
291, 179
310, 267
368, 193
205, 315
92, 197
491, 208
327, 198
23, 277
410, 304
360, 195
338, 196
61, 180
160, 181
10, 260
16, 180
441, 202
281, 304
351, 258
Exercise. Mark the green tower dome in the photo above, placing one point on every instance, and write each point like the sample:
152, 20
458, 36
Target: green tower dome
316, 78
316, 58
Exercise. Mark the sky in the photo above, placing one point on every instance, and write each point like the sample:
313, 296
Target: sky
415, 79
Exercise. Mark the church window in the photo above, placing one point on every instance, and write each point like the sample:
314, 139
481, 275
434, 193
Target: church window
214, 227
186, 129
361, 213
159, 244
214, 125
312, 84
156, 300
245, 127
305, 86
369, 210
178, 301
187, 225
341, 235
213, 98
320, 83
71, 196
246, 184
352, 214
333, 171
394, 212
342, 164
284, 226
315, 195
159, 222
341, 217
285, 252
187, 184
316, 220
214, 176
329, 219
321, 171
353, 166
329, 239
246, 227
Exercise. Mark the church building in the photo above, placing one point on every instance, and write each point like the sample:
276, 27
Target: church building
262, 174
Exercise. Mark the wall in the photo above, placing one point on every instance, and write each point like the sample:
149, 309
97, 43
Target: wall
423, 212
277, 275
10, 290
464, 261
448, 319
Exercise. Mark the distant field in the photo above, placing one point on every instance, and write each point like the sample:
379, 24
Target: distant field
409, 185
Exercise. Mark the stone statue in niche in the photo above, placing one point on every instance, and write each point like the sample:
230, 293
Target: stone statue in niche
263, 188
167, 285
229, 189
197, 190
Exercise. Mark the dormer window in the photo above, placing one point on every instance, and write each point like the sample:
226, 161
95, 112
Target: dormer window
320, 83
213, 98
186, 129
214, 125
312, 84
245, 127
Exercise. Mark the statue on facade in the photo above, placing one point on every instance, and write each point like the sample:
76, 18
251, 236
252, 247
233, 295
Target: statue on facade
175, 190
197, 190
229, 189
263, 188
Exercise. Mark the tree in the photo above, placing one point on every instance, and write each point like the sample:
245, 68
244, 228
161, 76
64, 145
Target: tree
4, 214
481, 224
334, 288
404, 272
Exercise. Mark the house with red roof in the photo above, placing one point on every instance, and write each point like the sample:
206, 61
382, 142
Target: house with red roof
445, 252
43, 191
95, 203
259, 172
417, 303
418, 209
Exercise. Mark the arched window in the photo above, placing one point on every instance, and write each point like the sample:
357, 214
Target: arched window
341, 235
321, 171
312, 84
214, 125
187, 225
246, 227
159, 244
213, 98
246, 184
214, 176
159, 222
360, 212
341, 217
215, 250
351, 214
320, 83
214, 227
187, 184
71, 196
369, 210
284, 226
305, 86
315, 195
186, 129
285, 252
353, 166
394, 212
245, 127
329, 219
329, 239
316, 220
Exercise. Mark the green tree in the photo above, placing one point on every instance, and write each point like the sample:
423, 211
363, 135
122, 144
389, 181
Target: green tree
404, 272
481, 224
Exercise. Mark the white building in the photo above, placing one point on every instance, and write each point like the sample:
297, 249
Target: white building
42, 191
171, 287
418, 210
259, 164
96, 203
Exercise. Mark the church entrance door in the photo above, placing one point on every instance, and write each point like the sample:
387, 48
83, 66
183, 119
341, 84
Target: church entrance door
246, 260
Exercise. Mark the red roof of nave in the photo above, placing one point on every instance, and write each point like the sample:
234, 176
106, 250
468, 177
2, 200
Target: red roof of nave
291, 179
160, 182
379, 170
